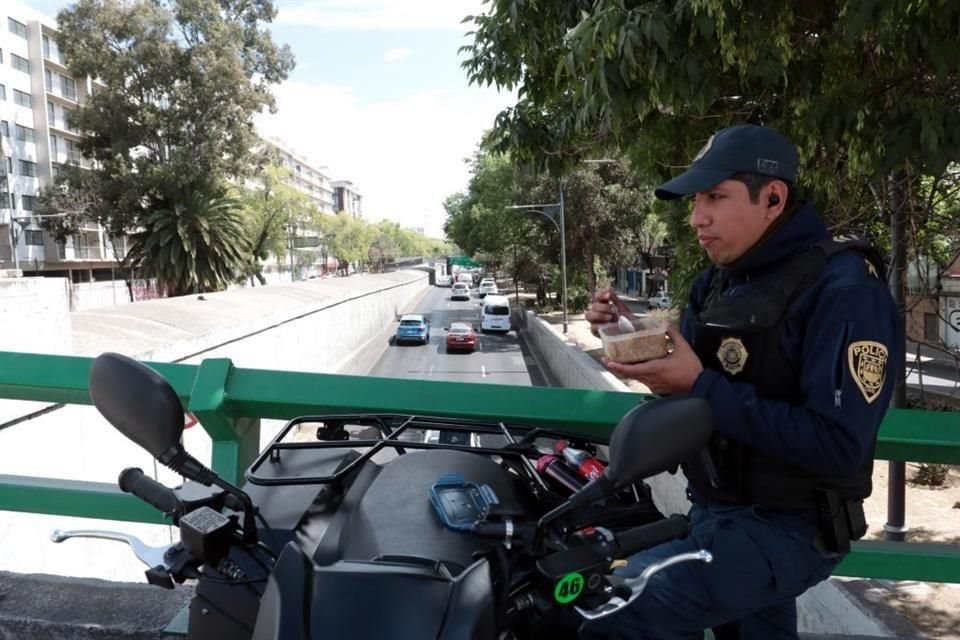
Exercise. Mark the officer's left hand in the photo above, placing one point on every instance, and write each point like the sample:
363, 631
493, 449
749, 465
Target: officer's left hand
670, 375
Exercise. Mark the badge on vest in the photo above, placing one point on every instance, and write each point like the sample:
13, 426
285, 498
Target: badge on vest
732, 355
868, 365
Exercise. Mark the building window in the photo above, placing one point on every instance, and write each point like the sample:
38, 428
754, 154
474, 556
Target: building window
24, 134
48, 79
17, 27
3, 92
9, 164
4, 128
28, 168
28, 202
22, 98
68, 87
4, 200
20, 64
54, 145
51, 51
33, 237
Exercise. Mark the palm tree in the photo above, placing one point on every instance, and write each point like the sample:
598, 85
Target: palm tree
194, 241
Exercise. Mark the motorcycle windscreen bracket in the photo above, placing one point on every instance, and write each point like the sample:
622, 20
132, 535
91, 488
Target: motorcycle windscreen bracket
460, 504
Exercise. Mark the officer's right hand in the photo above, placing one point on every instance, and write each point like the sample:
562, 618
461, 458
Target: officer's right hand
606, 308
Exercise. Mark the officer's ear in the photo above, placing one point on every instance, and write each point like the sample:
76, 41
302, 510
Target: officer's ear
775, 199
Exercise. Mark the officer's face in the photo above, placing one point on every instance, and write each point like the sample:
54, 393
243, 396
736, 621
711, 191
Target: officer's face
727, 223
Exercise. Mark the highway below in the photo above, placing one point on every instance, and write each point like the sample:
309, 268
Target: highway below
499, 358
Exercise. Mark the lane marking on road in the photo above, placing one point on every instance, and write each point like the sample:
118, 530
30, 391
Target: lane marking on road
431, 371
483, 371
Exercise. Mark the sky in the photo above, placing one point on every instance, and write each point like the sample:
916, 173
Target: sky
378, 98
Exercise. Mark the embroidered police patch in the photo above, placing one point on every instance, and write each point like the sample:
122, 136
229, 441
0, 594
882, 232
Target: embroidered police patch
868, 365
732, 355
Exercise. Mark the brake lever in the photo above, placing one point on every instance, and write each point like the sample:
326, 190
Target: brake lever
638, 584
150, 556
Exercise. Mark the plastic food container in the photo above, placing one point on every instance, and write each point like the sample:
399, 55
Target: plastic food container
648, 341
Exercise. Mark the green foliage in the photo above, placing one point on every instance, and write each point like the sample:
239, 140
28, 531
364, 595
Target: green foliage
195, 244
178, 83
867, 90
608, 217
268, 211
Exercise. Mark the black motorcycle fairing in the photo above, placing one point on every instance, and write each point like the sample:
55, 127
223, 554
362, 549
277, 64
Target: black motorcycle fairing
415, 600
394, 517
283, 613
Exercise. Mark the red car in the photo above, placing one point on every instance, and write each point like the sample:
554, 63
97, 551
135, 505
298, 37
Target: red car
461, 337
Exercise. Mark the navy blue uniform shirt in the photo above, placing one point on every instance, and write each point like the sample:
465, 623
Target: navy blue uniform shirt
834, 430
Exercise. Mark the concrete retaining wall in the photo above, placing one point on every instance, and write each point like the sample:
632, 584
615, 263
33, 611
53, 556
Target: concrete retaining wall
33, 315
826, 608
317, 326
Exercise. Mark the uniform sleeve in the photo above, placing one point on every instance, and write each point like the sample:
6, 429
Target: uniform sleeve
852, 337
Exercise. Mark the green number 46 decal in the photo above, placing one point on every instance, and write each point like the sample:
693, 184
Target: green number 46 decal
568, 588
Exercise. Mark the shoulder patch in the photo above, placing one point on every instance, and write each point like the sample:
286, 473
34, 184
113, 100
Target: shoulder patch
867, 362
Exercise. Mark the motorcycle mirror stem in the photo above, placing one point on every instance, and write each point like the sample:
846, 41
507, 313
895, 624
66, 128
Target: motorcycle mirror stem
143, 406
653, 437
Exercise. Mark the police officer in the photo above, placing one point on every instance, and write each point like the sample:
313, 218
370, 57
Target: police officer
789, 336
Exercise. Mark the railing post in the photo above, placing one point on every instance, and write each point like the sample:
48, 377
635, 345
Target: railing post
235, 442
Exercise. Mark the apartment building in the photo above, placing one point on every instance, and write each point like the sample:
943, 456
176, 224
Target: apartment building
347, 198
305, 177
36, 95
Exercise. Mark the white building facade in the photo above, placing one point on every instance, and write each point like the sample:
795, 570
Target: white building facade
36, 96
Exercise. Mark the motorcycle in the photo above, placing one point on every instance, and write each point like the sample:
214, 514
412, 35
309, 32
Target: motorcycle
398, 526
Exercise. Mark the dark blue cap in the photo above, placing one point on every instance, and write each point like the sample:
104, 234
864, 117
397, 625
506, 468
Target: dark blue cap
745, 148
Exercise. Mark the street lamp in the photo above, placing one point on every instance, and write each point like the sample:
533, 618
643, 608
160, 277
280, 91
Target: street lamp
554, 213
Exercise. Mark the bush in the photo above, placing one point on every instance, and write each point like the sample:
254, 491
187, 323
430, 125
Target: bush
577, 300
931, 475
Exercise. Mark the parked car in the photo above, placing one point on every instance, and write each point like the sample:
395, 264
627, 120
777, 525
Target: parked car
444, 281
660, 301
496, 314
460, 291
461, 337
413, 328
488, 286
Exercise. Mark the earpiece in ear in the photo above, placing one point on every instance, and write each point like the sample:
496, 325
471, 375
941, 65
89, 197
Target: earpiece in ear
774, 200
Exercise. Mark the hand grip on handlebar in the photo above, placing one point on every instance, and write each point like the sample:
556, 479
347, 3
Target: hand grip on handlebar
133, 480
650, 535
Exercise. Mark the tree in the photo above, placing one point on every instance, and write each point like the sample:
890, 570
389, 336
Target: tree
601, 201
868, 90
178, 82
195, 244
348, 239
269, 210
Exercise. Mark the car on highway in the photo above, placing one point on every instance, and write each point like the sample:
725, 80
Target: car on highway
661, 300
413, 327
461, 337
488, 286
460, 291
444, 281
495, 315
465, 277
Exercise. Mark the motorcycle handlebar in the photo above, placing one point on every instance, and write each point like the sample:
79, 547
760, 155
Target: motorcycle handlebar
650, 535
134, 480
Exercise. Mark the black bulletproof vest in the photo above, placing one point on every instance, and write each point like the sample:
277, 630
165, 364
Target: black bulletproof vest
740, 339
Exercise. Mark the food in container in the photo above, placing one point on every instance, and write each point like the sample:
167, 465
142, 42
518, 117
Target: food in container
647, 341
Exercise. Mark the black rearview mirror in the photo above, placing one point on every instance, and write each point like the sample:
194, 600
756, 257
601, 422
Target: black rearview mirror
657, 436
137, 401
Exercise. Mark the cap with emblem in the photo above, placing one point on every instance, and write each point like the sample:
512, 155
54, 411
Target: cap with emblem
745, 148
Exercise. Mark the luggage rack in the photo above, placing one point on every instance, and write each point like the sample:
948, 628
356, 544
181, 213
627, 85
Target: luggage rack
454, 434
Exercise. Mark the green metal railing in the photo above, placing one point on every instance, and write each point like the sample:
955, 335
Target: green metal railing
229, 402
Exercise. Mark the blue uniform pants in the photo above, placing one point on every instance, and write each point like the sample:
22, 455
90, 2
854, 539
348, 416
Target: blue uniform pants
762, 560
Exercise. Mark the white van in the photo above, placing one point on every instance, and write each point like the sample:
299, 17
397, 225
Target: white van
495, 314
